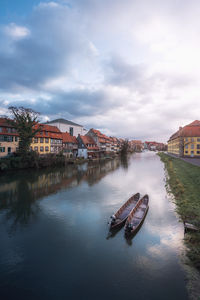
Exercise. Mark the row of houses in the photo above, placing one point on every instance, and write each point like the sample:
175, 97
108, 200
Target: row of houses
50, 139
155, 146
185, 141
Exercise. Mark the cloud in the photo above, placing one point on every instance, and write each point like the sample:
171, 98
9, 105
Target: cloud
129, 68
16, 32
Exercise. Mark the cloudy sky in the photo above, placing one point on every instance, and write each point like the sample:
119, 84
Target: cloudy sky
130, 68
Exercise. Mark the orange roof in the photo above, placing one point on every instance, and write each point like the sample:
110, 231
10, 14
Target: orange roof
4, 123
102, 137
48, 131
190, 130
67, 138
89, 142
136, 142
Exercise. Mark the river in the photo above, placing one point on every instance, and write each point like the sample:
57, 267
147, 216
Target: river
54, 241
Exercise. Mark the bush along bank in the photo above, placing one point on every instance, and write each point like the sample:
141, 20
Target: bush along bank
34, 160
31, 160
184, 182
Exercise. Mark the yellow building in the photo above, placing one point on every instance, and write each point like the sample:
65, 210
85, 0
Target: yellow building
48, 140
186, 141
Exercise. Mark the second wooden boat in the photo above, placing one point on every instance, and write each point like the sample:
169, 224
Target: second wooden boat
122, 214
137, 215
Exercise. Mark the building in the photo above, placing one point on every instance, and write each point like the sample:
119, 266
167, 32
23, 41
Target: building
9, 138
87, 147
68, 126
186, 141
47, 140
70, 145
104, 143
115, 144
136, 145
155, 146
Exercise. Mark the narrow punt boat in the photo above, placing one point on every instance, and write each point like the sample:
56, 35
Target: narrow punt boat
137, 215
122, 214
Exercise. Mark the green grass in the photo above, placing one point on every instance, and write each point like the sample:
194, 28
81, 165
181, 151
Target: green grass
184, 182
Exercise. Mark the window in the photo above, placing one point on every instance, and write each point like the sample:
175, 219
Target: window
46, 133
35, 148
41, 140
198, 139
1, 129
46, 148
186, 139
192, 146
192, 139
198, 152
35, 140
41, 149
7, 138
71, 130
2, 149
198, 146
186, 151
192, 152
186, 146
46, 140
16, 138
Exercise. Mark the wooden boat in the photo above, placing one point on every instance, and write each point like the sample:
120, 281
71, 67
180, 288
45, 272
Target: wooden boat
122, 214
137, 215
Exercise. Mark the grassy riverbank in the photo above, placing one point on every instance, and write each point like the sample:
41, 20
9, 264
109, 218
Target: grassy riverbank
184, 183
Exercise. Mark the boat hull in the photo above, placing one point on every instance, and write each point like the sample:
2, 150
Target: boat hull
122, 214
137, 216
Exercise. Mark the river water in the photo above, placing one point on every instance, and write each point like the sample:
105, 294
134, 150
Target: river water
54, 241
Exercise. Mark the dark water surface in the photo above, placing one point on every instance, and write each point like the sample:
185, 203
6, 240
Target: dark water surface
54, 236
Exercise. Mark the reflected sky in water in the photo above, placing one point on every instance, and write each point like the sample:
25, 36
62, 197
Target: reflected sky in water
54, 234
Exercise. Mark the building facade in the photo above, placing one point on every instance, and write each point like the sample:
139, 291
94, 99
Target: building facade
70, 145
47, 140
9, 138
87, 147
186, 141
68, 126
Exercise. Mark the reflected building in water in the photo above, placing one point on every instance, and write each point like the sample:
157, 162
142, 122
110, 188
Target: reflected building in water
19, 191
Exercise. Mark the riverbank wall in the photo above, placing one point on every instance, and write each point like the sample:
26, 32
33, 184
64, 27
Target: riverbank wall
35, 161
183, 181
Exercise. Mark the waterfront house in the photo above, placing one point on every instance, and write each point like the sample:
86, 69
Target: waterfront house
87, 147
135, 145
47, 140
9, 138
153, 146
72, 128
70, 145
103, 142
186, 141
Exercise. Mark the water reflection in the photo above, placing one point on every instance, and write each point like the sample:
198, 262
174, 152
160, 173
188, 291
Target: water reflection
61, 250
18, 193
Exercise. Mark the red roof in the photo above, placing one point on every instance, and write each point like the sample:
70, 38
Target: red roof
67, 138
190, 130
102, 137
48, 131
89, 142
4, 123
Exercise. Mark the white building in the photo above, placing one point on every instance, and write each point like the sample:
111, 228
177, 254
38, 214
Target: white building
68, 126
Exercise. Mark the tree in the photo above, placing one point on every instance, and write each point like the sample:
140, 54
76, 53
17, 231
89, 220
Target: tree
124, 147
24, 121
